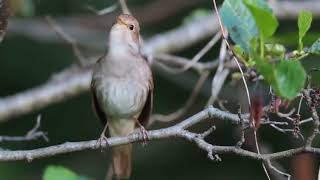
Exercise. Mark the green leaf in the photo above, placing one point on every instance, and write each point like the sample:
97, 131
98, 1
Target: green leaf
265, 20
290, 77
286, 78
239, 22
267, 70
304, 23
315, 48
61, 173
261, 4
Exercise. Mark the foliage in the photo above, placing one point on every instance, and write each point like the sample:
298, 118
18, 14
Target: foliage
233, 14
252, 21
304, 24
315, 48
61, 173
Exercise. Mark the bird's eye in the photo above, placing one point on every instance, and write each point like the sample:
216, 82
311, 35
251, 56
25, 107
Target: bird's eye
131, 27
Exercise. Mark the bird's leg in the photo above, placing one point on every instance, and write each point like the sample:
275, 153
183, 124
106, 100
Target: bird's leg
143, 132
103, 137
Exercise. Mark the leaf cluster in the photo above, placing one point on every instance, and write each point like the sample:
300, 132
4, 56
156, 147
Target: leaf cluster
251, 23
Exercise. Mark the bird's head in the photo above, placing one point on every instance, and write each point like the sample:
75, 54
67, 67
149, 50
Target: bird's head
125, 33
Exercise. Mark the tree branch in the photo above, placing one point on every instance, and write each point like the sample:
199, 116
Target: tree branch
178, 130
33, 134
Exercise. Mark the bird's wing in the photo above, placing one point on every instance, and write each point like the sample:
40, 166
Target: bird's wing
147, 109
96, 106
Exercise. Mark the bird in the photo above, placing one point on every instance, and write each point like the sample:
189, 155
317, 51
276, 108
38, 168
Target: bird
122, 90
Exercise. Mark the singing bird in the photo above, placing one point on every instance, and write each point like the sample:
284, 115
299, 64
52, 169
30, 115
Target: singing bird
122, 90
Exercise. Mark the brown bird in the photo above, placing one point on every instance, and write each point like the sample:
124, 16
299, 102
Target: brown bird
122, 90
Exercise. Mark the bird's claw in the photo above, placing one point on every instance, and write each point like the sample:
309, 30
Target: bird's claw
101, 140
144, 135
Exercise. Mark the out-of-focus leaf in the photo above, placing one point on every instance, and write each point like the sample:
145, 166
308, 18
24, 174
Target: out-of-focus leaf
267, 70
304, 23
286, 78
315, 48
239, 22
22, 7
261, 4
4, 14
61, 173
265, 20
198, 13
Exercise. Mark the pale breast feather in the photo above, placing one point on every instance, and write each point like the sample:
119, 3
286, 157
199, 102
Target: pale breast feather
122, 98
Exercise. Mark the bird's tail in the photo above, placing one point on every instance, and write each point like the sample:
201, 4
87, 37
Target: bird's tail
121, 161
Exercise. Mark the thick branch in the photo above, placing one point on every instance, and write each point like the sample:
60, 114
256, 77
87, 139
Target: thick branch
178, 130
65, 85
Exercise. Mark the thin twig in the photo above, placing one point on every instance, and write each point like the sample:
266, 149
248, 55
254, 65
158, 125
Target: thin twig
103, 11
299, 106
315, 117
305, 121
181, 111
168, 61
220, 75
196, 57
68, 39
288, 176
124, 7
33, 134
285, 115
242, 129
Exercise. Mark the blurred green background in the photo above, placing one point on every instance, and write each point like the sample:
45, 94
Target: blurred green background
26, 62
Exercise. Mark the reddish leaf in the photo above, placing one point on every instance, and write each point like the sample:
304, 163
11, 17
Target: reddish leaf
256, 110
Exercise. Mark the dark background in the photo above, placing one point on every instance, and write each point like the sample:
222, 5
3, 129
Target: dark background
26, 62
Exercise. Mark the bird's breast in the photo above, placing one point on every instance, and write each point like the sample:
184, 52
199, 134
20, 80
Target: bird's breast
123, 97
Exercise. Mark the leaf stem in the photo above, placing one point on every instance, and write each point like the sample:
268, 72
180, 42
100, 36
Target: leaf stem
261, 46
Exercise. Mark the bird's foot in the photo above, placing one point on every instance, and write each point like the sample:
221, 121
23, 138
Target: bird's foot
103, 139
144, 135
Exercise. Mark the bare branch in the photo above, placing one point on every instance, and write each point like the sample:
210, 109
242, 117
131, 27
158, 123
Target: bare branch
181, 111
315, 117
67, 84
66, 37
124, 7
178, 130
165, 60
288, 176
198, 56
103, 11
220, 75
33, 134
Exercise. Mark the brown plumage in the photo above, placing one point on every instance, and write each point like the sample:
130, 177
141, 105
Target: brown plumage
122, 89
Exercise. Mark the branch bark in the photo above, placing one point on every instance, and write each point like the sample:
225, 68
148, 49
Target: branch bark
177, 131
